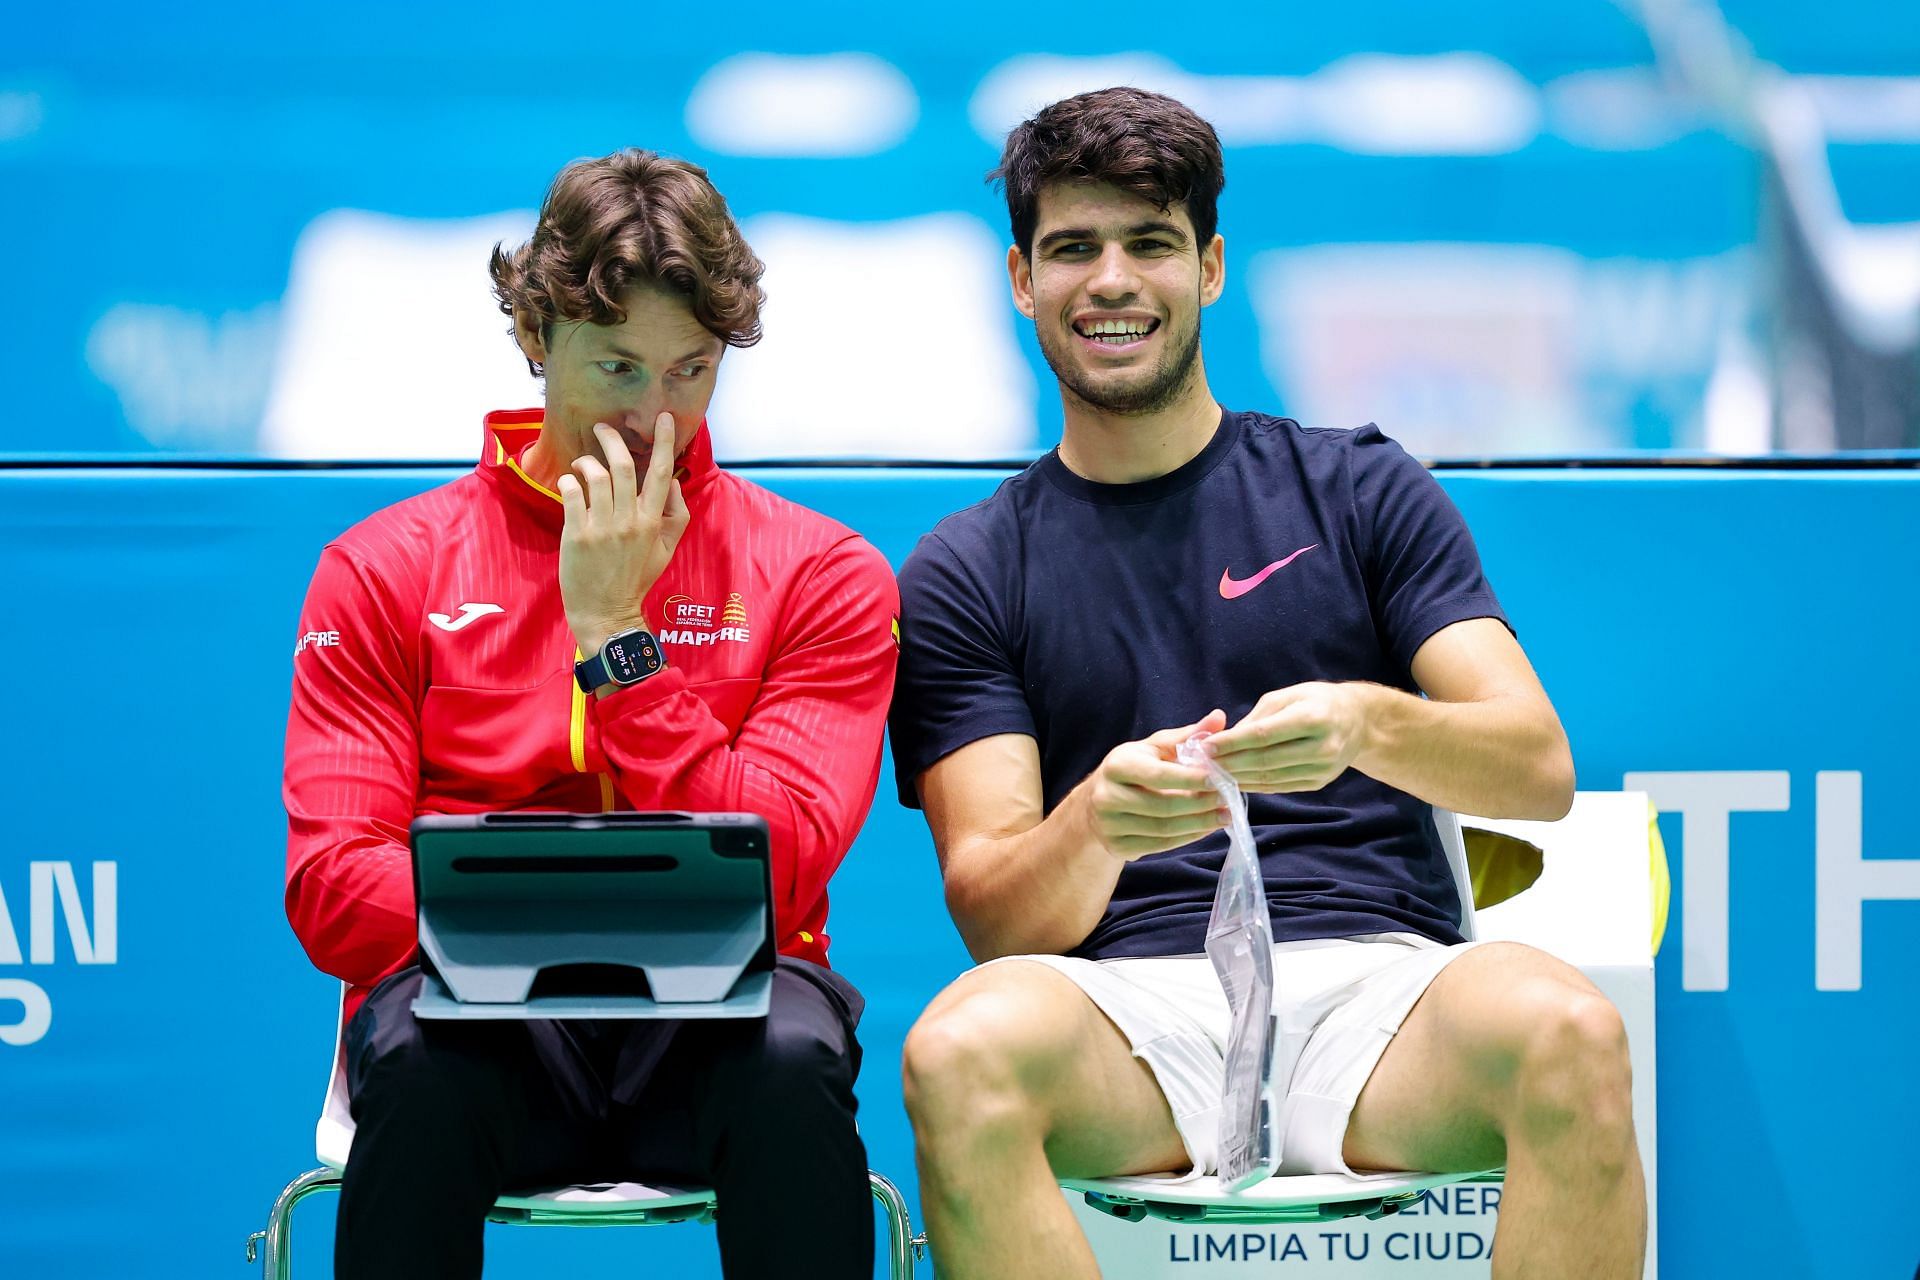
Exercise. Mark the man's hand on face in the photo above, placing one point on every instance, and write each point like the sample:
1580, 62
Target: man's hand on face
1141, 800
621, 530
1295, 739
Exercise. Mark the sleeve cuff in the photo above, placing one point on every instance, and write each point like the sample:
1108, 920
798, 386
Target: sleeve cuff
636, 698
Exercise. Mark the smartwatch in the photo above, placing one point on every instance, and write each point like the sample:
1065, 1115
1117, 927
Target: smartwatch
625, 659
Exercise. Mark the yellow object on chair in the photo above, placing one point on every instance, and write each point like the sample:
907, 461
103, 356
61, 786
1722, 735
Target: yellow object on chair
1499, 866
1661, 876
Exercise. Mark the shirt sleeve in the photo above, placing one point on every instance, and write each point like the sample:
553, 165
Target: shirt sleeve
959, 680
1423, 571
806, 757
352, 764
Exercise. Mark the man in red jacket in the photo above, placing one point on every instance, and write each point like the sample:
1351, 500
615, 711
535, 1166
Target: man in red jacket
497, 643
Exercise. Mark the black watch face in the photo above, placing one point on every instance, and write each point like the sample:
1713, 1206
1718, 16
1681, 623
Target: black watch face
629, 658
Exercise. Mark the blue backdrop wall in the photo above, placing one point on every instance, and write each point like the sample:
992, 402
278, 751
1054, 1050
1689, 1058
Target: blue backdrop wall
1753, 623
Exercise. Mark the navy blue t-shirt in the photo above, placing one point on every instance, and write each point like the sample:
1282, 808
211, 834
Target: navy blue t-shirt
1086, 615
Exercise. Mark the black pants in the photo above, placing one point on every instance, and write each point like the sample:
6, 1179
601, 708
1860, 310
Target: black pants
449, 1115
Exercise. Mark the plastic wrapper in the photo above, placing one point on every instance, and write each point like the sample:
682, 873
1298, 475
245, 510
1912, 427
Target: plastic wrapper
1240, 945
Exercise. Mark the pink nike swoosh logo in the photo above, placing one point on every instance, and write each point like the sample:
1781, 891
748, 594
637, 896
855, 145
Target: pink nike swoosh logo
1232, 590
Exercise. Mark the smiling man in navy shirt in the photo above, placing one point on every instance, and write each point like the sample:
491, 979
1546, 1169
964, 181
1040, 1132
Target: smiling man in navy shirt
1174, 567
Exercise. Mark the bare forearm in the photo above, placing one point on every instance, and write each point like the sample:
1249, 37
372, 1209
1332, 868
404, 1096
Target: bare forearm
1039, 891
1503, 757
1021, 880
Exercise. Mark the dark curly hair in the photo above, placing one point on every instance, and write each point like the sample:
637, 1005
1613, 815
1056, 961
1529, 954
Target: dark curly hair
633, 218
1137, 140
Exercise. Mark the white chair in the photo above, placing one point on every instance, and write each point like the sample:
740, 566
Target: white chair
617, 1204
1318, 1197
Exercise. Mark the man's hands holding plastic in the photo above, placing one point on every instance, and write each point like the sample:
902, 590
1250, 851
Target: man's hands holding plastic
621, 530
1299, 738
1141, 800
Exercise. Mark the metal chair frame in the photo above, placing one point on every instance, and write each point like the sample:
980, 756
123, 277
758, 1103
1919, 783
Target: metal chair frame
603, 1205
276, 1241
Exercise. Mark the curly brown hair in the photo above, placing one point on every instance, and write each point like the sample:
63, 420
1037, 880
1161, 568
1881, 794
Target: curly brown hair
1135, 139
632, 218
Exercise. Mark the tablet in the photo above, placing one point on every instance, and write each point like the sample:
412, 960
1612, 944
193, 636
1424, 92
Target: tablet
602, 915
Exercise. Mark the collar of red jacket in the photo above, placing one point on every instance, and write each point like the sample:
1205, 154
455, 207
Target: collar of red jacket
509, 433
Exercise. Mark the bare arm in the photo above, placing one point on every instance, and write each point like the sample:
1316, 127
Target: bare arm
1484, 741
1019, 881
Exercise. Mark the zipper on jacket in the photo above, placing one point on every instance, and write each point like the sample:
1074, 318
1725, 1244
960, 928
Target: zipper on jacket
577, 722
577, 741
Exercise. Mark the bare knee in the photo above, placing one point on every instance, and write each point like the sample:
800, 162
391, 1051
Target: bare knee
973, 1064
1572, 1077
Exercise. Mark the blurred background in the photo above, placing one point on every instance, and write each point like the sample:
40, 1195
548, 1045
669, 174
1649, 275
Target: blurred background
1497, 229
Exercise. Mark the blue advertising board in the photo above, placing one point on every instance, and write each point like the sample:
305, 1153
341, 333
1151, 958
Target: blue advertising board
1740, 641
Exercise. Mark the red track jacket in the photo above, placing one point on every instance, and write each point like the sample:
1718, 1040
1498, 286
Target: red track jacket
434, 674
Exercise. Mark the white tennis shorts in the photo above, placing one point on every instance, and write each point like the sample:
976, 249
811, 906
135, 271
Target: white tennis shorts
1339, 1001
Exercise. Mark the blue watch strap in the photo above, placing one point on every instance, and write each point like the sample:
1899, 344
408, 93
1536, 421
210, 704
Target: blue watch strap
592, 673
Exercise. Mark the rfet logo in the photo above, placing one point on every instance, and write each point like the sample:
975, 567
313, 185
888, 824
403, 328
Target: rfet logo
689, 622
